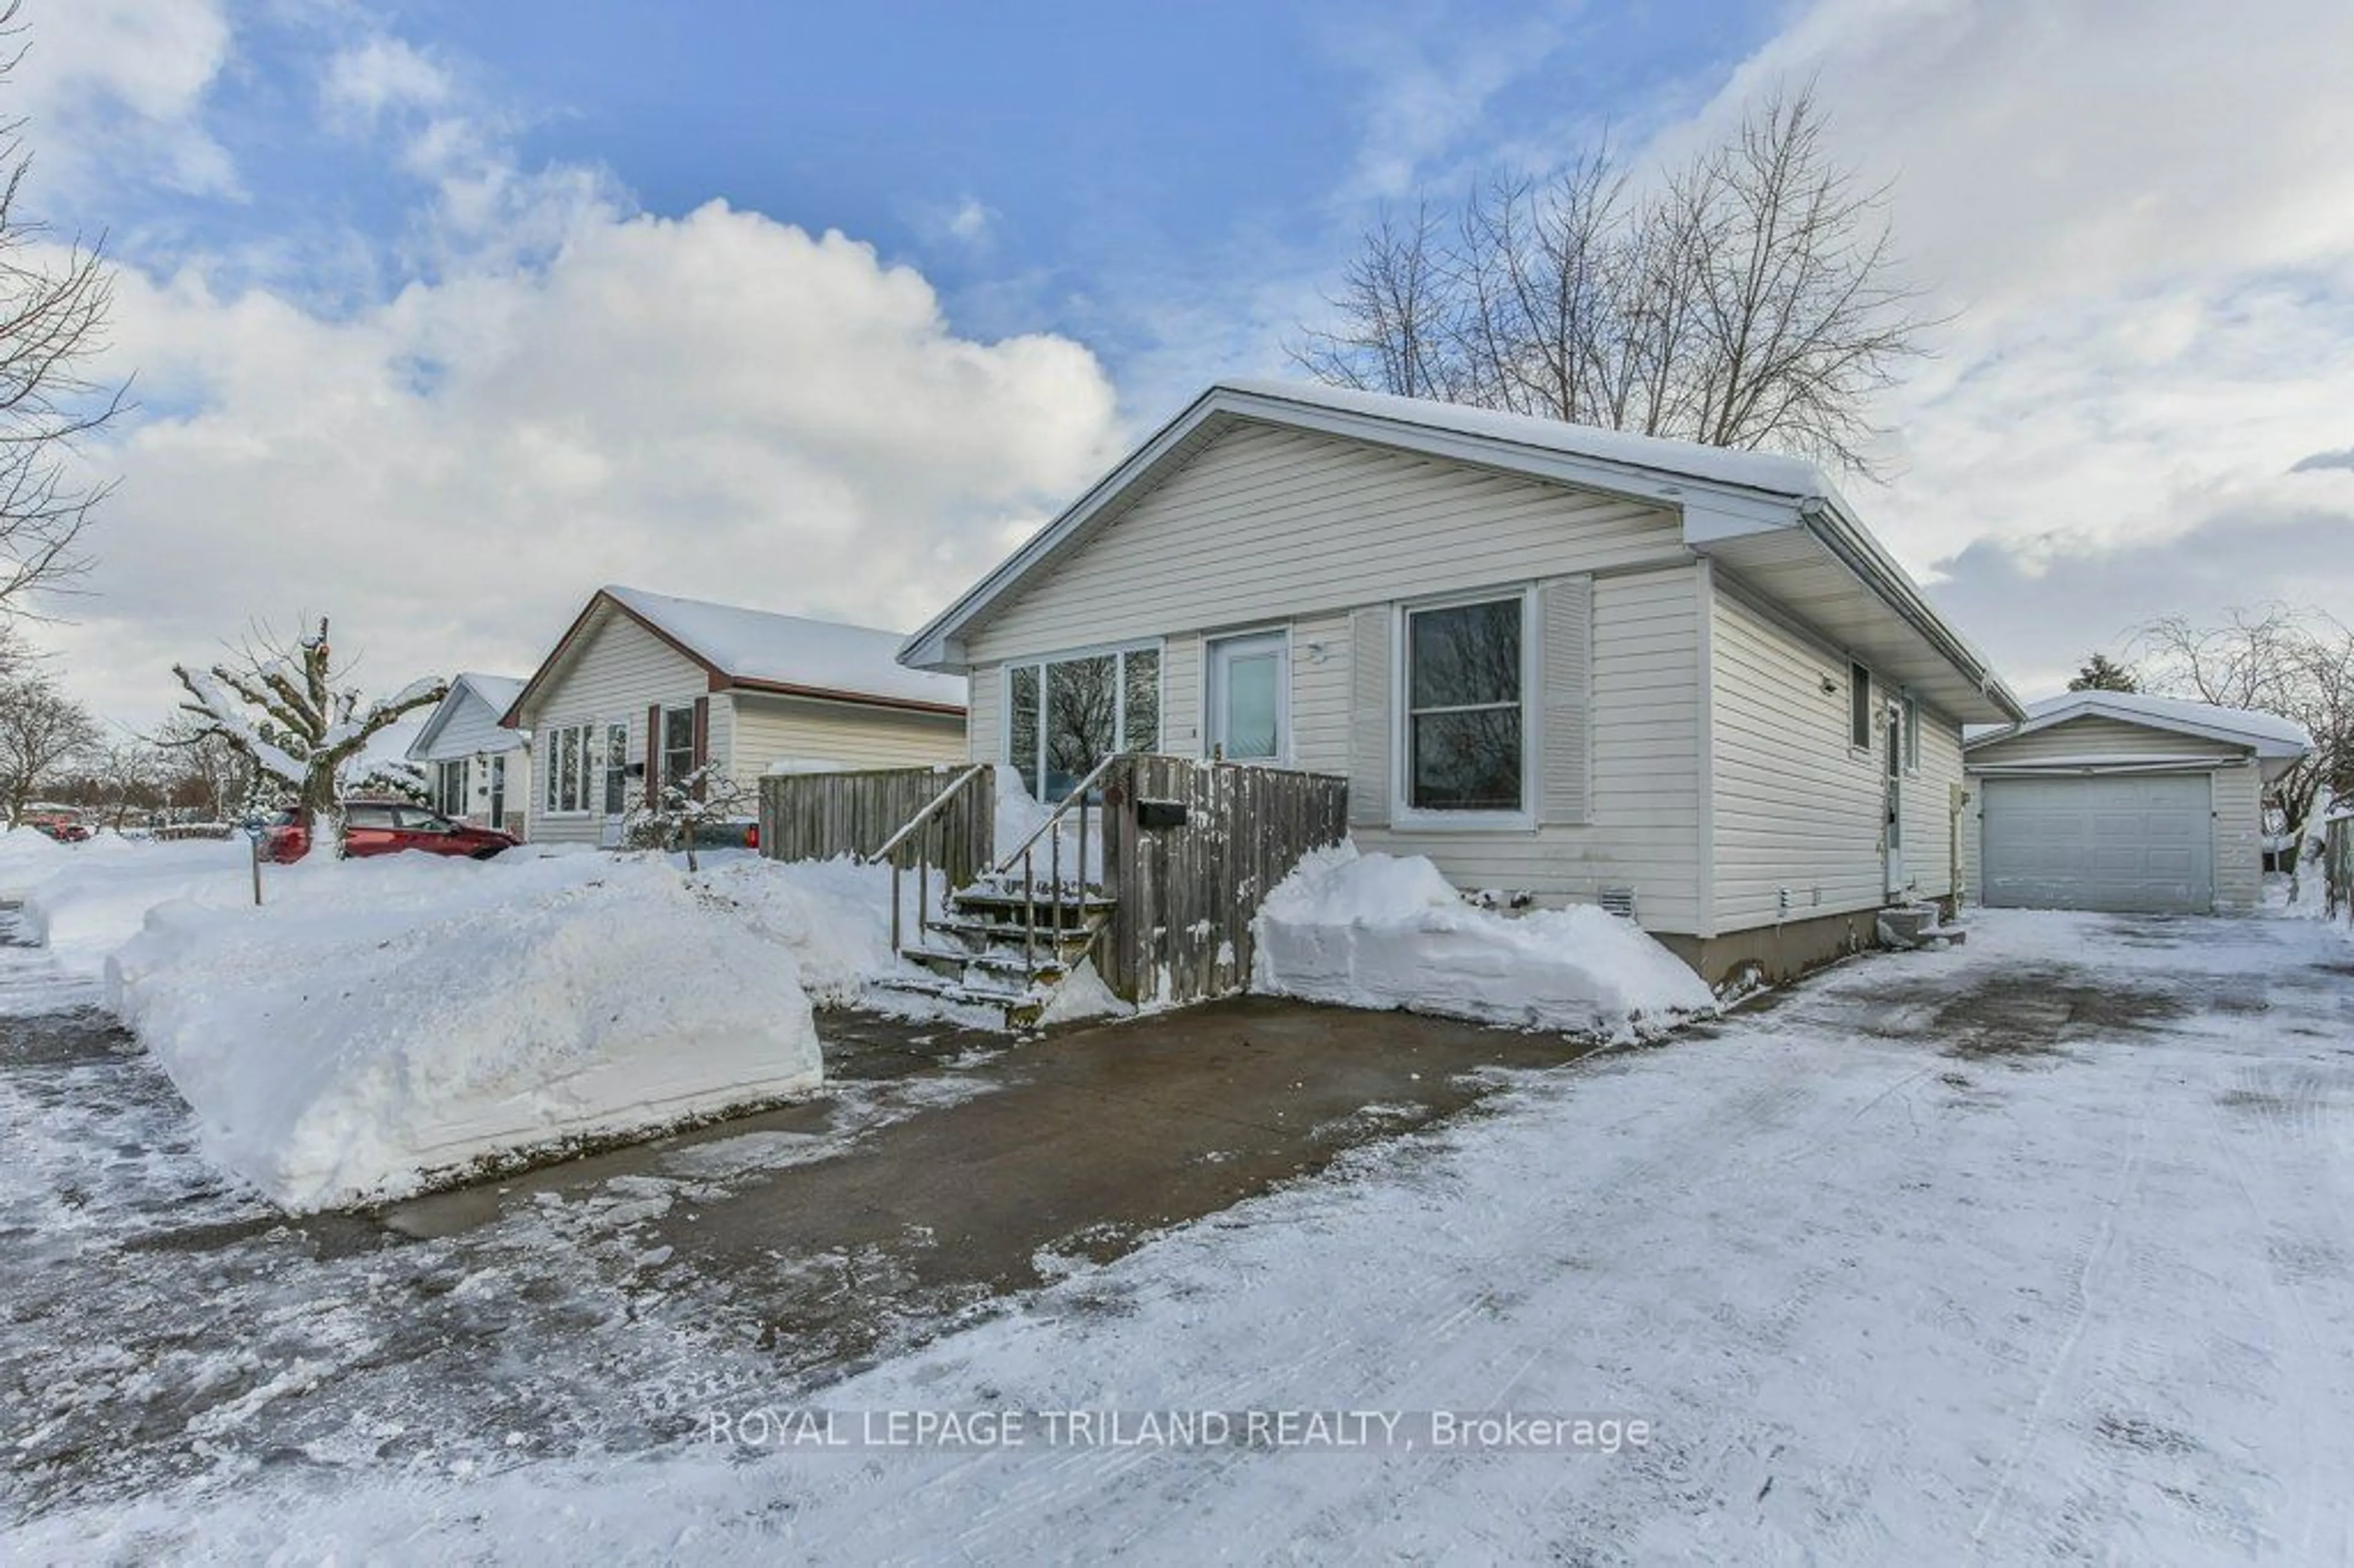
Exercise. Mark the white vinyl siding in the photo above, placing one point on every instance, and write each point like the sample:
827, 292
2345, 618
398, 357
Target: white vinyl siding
1642, 826
1269, 526
1796, 805
772, 729
2092, 739
617, 670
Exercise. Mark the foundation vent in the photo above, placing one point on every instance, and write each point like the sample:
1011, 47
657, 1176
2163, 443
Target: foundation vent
1619, 901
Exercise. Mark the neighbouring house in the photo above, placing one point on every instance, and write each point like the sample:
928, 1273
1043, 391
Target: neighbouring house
476, 770
1570, 663
2118, 801
643, 688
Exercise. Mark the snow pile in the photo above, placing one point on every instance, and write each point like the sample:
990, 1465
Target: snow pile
835, 916
26, 855
382, 1024
98, 893
1380, 931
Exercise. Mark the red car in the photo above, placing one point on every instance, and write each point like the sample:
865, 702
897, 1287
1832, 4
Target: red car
387, 826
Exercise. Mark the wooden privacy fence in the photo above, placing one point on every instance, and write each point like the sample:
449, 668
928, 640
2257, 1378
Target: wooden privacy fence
817, 816
2337, 865
1186, 893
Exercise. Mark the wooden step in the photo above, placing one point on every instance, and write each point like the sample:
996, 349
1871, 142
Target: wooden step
1073, 900
938, 960
1021, 1007
1010, 932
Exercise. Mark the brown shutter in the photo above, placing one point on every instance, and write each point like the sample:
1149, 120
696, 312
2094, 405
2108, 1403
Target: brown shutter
653, 754
702, 740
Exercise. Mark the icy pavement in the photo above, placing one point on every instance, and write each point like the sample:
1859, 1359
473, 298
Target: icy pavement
2037, 1248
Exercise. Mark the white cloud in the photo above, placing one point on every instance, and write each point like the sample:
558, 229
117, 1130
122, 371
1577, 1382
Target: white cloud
715, 405
381, 73
116, 87
969, 221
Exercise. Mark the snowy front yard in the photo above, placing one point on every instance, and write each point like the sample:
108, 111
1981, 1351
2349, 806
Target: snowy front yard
2041, 1246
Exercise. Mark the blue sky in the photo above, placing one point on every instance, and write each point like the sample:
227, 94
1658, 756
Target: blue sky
823, 307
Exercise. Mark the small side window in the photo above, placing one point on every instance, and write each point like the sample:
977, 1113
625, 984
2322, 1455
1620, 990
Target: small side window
1858, 707
1912, 736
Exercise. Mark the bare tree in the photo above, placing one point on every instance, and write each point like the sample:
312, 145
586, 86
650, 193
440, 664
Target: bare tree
125, 775
2275, 659
283, 710
202, 773
1749, 301
41, 730
1397, 305
54, 302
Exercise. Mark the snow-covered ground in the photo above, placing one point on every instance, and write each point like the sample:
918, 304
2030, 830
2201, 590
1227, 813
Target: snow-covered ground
2039, 1247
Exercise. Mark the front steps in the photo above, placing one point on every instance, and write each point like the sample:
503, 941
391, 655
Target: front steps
1003, 947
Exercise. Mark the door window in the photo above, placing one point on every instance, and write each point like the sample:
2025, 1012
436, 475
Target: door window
1247, 699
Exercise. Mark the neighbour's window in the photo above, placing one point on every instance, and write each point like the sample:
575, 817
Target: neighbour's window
1464, 719
1858, 707
1064, 715
449, 788
616, 768
677, 744
571, 763
1912, 736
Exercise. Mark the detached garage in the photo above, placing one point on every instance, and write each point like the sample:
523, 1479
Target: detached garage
2118, 802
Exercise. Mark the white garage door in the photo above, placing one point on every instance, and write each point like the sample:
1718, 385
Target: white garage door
2138, 845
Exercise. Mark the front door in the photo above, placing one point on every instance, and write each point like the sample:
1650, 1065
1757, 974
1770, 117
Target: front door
1897, 881
1250, 698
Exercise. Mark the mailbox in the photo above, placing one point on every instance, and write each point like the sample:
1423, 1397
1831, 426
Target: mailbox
1160, 816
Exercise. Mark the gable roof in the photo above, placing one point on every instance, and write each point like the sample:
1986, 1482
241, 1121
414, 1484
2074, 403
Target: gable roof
495, 693
2267, 735
761, 650
1775, 522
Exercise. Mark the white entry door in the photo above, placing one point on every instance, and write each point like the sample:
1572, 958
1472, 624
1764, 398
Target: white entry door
1250, 698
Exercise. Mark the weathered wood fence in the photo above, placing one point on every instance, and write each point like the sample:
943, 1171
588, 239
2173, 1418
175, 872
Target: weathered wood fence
1186, 894
817, 816
2337, 865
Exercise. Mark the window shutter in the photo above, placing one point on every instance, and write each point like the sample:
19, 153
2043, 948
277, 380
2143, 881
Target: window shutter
1369, 717
653, 753
1565, 611
702, 739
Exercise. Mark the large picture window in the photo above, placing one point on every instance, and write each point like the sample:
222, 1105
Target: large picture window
1064, 715
1465, 729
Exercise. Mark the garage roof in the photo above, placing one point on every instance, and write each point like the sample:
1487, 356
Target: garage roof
2267, 735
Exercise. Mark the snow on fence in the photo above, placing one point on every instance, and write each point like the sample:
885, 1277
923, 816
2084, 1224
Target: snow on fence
1191, 849
818, 816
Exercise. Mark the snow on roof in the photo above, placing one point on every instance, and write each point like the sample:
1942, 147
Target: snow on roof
2269, 734
761, 646
498, 691
1721, 465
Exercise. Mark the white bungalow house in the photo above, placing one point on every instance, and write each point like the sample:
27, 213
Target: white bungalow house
643, 687
1561, 661
477, 770
2118, 801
